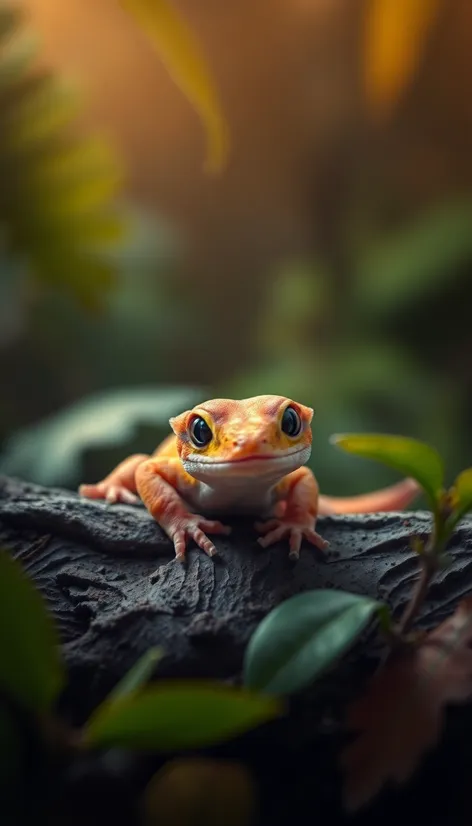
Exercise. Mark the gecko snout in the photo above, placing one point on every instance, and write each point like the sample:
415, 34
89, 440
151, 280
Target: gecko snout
245, 445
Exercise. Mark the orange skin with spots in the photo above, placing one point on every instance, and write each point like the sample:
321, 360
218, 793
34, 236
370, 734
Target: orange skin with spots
252, 462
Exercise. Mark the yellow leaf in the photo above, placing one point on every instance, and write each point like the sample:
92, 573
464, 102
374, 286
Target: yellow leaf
180, 51
395, 36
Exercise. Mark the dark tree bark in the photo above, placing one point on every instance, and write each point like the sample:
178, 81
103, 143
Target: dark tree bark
113, 585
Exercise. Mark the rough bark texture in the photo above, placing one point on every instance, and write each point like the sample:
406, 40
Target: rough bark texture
110, 578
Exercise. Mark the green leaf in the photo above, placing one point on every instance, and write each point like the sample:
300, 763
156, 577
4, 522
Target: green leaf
384, 617
302, 637
409, 456
31, 670
178, 715
462, 494
51, 451
137, 675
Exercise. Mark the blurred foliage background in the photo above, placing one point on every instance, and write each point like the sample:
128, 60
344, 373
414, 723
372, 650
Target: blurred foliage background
329, 260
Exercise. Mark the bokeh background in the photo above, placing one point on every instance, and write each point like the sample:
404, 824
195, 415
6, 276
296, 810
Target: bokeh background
330, 260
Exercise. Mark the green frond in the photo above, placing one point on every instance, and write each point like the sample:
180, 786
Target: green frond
57, 214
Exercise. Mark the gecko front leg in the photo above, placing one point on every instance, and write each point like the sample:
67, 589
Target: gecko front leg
298, 493
119, 485
156, 482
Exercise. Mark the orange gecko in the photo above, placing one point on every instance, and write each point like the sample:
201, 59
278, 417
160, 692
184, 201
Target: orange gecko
238, 457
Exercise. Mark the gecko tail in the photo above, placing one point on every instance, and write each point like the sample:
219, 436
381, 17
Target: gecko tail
394, 498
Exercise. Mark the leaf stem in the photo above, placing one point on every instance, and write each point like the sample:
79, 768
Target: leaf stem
429, 566
418, 596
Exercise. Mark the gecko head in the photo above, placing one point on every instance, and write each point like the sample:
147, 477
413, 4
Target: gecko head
264, 436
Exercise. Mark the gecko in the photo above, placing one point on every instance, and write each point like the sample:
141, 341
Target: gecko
246, 456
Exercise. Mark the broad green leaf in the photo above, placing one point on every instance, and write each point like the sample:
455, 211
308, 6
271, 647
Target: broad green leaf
199, 789
408, 456
51, 452
302, 637
30, 664
395, 38
462, 494
178, 715
180, 51
137, 675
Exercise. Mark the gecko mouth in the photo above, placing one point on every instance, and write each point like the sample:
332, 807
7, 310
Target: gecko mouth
254, 457
262, 462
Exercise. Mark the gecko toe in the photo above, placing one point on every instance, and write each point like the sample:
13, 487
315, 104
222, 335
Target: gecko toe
265, 527
317, 540
203, 542
128, 497
295, 542
214, 527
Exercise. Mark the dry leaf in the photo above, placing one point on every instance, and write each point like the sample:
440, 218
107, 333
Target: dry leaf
181, 53
400, 716
395, 36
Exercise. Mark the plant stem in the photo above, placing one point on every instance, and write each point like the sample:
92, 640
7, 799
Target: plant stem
428, 569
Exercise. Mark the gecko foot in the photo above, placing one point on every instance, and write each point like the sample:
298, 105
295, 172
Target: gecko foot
193, 526
111, 493
277, 529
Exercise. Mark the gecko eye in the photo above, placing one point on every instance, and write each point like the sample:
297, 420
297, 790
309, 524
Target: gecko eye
291, 422
200, 433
